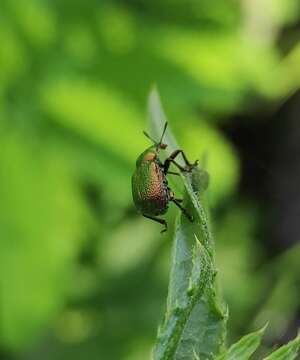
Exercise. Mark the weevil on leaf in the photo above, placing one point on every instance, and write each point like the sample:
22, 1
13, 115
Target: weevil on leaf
150, 191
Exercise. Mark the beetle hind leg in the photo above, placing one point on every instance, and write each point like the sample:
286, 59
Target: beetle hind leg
173, 173
177, 203
161, 221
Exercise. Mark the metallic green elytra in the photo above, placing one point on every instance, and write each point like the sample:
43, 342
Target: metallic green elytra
150, 191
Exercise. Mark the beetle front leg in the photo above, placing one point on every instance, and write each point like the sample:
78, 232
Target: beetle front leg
171, 159
161, 221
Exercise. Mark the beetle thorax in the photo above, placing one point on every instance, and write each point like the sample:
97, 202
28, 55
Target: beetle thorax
150, 154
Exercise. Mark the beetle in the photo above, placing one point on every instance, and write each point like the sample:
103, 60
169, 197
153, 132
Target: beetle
150, 191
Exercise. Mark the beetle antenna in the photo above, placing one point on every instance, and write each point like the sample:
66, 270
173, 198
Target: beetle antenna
163, 133
149, 137
158, 144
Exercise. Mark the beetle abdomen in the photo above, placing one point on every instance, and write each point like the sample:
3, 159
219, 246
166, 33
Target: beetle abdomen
149, 189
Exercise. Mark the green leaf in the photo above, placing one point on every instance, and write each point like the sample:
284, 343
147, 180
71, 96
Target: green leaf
194, 324
244, 348
286, 352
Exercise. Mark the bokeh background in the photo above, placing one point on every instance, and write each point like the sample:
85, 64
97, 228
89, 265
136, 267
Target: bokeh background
82, 275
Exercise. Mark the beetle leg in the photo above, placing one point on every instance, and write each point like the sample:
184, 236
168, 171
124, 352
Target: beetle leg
168, 162
161, 221
173, 173
171, 159
176, 202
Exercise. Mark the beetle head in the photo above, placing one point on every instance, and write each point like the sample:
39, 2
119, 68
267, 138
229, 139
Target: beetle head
160, 144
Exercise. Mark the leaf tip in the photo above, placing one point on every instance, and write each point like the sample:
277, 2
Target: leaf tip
153, 93
262, 330
198, 242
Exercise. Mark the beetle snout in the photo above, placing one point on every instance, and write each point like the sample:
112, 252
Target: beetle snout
163, 146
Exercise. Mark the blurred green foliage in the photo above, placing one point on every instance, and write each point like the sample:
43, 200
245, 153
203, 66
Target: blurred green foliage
81, 274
